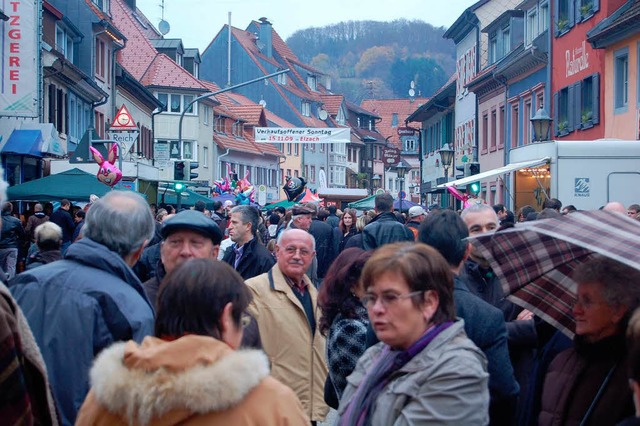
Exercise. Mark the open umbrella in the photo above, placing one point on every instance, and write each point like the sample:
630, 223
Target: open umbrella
535, 260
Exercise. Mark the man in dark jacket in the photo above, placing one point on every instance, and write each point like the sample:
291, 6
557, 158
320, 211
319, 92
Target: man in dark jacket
247, 255
384, 228
78, 306
445, 231
37, 218
326, 244
10, 239
333, 219
483, 282
62, 218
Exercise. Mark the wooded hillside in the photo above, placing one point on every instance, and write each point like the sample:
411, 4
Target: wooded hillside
370, 59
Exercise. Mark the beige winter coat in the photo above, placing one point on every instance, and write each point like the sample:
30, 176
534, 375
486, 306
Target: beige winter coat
194, 380
297, 357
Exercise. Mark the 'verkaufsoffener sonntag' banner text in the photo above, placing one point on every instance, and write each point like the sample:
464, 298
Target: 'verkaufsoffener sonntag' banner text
302, 135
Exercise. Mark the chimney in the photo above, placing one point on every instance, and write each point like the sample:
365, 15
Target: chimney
265, 37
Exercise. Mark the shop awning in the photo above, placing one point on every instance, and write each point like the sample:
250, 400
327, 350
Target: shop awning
500, 170
24, 142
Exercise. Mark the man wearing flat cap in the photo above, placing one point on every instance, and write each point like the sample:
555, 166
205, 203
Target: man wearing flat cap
188, 234
191, 235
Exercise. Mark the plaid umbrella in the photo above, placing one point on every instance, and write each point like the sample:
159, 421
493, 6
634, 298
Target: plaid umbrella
535, 260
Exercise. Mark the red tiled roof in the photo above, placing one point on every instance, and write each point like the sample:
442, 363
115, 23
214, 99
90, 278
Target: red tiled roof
385, 108
142, 60
332, 103
249, 113
277, 120
279, 45
225, 141
164, 72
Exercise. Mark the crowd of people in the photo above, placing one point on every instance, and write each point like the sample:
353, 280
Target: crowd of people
123, 313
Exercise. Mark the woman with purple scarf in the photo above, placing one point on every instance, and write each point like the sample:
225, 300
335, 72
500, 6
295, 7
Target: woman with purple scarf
425, 370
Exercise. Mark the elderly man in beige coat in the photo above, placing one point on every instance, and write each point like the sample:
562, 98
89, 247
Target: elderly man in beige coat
284, 304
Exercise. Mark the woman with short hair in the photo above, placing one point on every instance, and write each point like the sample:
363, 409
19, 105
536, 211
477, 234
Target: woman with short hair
587, 384
191, 372
425, 370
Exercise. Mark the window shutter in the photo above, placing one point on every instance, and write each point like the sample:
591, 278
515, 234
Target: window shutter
596, 5
576, 108
556, 107
571, 123
596, 98
572, 14
556, 14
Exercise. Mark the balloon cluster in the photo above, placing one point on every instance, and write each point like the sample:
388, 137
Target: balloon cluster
241, 188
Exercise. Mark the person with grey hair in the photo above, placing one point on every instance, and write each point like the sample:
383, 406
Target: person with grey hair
48, 241
285, 306
37, 218
81, 304
247, 255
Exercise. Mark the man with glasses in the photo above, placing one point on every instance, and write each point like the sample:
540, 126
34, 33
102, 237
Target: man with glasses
191, 235
285, 306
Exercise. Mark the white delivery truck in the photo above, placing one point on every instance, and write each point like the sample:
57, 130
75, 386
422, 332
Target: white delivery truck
586, 174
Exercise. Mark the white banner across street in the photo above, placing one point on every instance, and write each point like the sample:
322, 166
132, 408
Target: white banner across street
302, 135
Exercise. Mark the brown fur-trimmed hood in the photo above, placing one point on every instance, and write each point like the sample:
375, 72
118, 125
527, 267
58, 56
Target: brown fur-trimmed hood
194, 374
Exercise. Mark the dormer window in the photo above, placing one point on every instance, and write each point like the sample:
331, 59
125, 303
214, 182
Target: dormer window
102, 4
394, 120
178, 59
282, 79
372, 125
312, 82
306, 109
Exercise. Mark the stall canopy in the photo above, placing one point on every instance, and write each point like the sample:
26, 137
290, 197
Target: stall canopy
74, 185
369, 202
187, 199
500, 170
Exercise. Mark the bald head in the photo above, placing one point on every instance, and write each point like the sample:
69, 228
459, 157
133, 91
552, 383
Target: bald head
616, 207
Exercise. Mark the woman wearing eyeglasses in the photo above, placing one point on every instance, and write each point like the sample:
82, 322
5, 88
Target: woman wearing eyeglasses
191, 372
587, 384
425, 370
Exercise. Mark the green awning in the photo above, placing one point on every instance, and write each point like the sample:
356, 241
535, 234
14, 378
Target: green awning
367, 203
187, 199
74, 185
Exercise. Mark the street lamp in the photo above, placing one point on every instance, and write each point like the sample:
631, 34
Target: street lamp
446, 157
401, 169
541, 125
376, 183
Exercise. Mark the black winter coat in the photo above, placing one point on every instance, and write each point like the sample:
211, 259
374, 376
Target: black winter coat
256, 259
384, 229
326, 247
12, 232
578, 374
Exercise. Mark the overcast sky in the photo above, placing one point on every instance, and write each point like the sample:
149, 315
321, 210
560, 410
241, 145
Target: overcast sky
196, 22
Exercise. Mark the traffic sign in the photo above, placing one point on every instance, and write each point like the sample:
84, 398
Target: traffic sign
390, 156
402, 195
406, 131
124, 139
123, 120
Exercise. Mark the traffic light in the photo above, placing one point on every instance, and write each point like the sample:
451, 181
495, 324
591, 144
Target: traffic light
178, 170
471, 169
193, 165
460, 169
178, 187
473, 188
